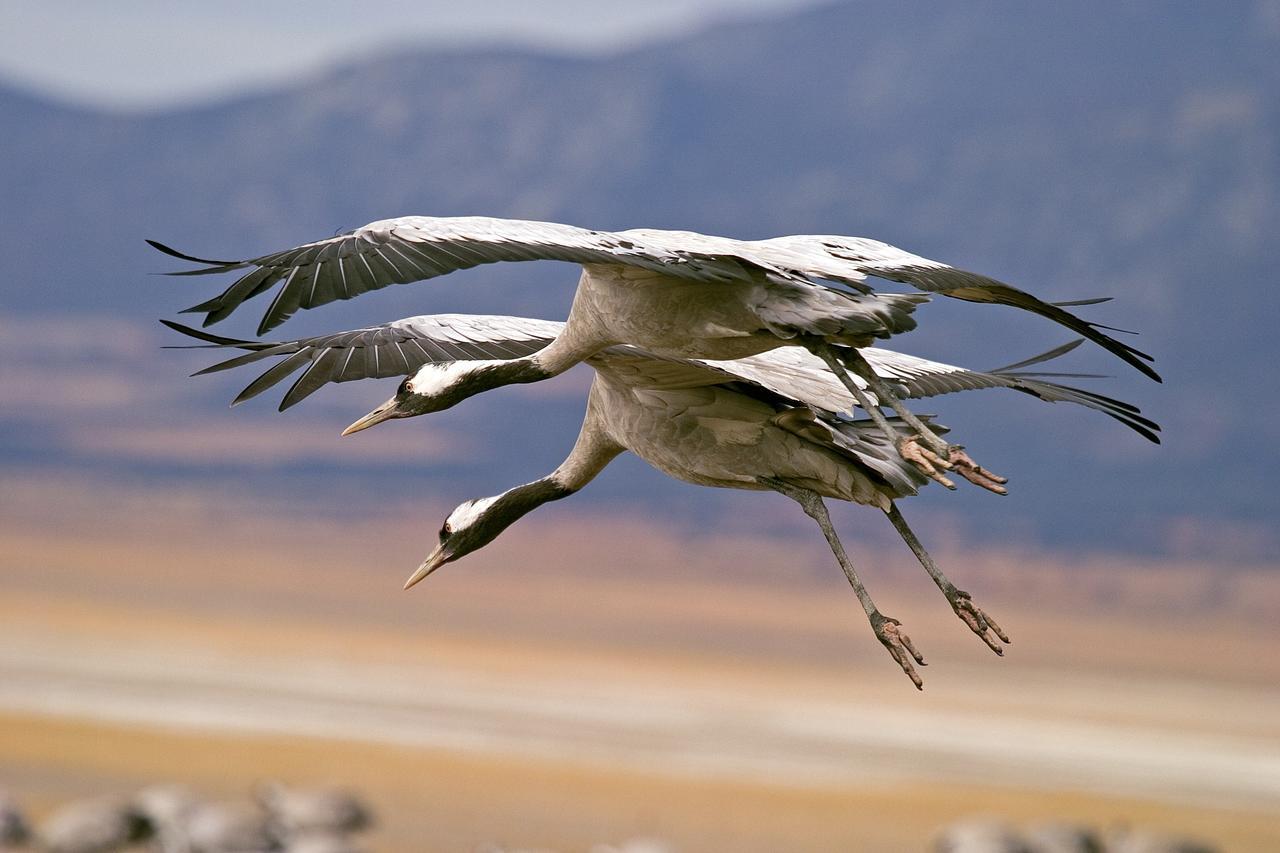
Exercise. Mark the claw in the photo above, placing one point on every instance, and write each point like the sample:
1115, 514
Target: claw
926, 460
891, 636
978, 620
975, 473
911, 449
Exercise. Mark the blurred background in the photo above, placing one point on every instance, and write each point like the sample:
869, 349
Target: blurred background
199, 595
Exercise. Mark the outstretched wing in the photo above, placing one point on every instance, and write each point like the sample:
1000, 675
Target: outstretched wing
826, 256
393, 349
796, 373
413, 248
401, 347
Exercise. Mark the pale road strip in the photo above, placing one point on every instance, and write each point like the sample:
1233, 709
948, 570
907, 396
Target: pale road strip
681, 728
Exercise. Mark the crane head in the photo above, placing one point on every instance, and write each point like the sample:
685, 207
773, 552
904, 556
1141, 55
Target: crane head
434, 387
471, 526
476, 523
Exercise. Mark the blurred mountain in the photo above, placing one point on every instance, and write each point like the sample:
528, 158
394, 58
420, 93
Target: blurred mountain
1085, 149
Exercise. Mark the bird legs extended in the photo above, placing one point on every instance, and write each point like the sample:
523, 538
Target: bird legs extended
887, 630
925, 449
972, 615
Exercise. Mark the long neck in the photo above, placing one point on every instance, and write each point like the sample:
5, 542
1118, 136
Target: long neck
517, 502
509, 507
495, 374
568, 348
591, 453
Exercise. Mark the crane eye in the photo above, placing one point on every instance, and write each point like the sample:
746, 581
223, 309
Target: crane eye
404, 386
445, 532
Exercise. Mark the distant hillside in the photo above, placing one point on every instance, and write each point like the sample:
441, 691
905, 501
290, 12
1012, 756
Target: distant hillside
1077, 150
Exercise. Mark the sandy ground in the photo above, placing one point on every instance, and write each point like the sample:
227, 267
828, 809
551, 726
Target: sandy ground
544, 702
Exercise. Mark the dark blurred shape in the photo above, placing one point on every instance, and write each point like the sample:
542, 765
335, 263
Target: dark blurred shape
13, 826
168, 810
94, 826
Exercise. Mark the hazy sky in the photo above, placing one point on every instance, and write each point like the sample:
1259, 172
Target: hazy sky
151, 52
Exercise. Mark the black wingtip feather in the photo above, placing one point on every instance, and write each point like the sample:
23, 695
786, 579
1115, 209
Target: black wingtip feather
203, 307
991, 290
1047, 355
1123, 332
1076, 303
207, 336
174, 253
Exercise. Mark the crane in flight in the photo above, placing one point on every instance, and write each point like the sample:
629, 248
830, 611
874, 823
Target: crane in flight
768, 422
675, 293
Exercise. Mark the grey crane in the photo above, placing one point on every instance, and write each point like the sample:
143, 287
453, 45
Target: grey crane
674, 293
764, 422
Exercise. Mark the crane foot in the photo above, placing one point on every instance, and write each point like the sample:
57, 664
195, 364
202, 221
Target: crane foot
929, 463
892, 637
977, 619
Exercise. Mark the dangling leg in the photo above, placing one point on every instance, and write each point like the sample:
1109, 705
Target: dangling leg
973, 616
886, 629
937, 453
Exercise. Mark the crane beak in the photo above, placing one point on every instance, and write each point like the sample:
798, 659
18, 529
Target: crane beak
429, 565
384, 412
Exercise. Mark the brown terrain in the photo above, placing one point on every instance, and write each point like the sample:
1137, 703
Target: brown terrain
590, 678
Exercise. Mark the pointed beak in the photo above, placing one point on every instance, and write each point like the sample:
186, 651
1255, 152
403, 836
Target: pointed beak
429, 565
384, 412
